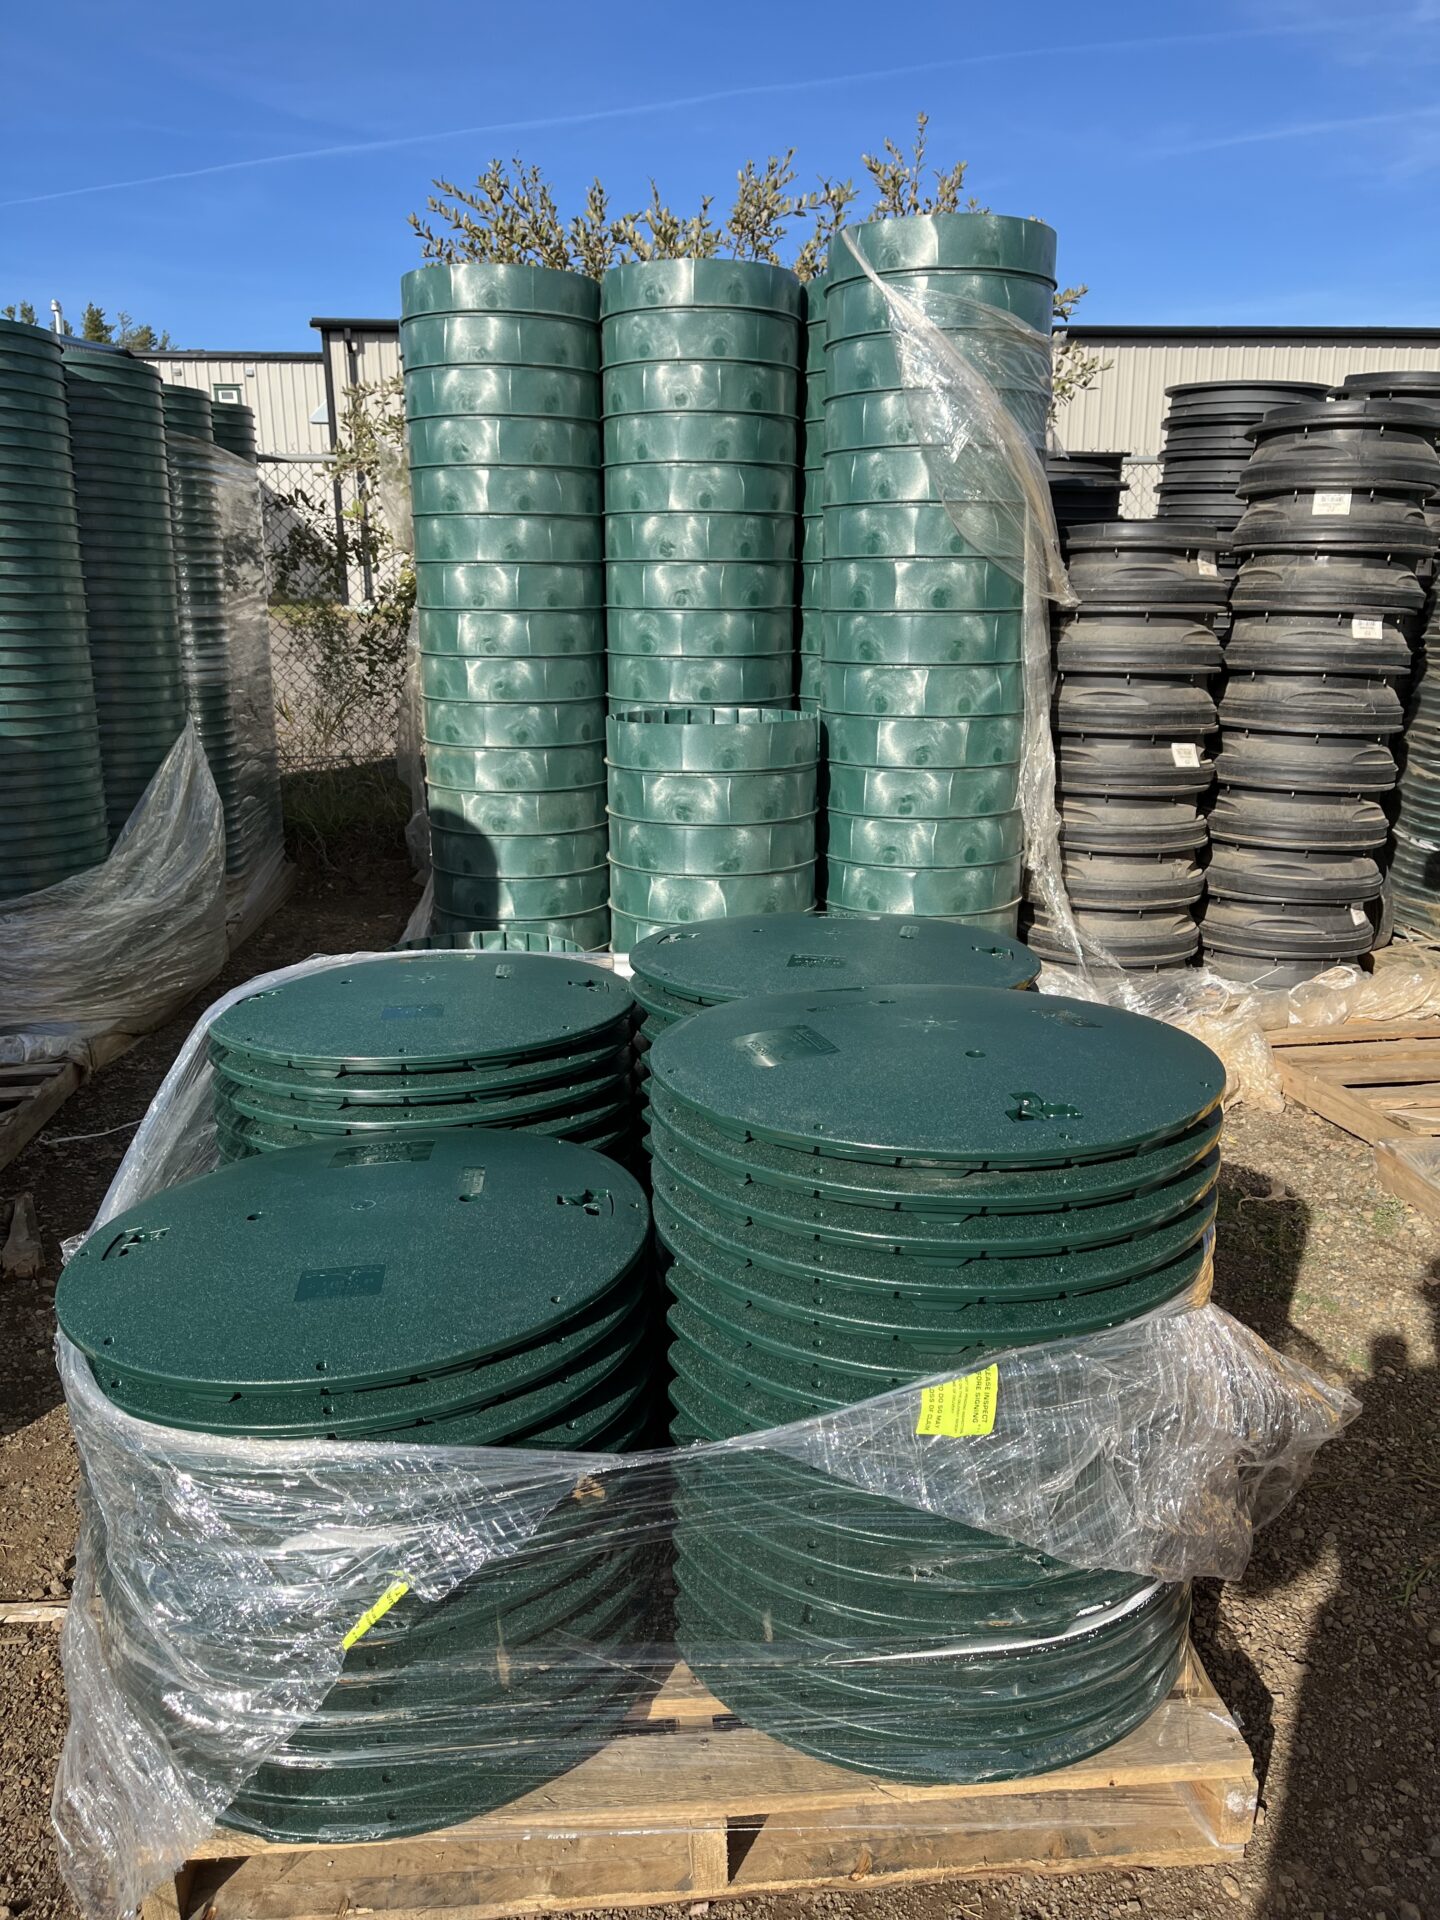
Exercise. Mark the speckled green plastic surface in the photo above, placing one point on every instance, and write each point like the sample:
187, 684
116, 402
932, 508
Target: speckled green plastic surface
444, 1010
339, 1262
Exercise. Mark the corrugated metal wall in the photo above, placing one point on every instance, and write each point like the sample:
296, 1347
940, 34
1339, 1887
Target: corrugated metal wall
284, 390
360, 353
1123, 410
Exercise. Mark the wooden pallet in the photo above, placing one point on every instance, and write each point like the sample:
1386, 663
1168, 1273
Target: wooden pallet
688, 1804
1379, 1080
29, 1095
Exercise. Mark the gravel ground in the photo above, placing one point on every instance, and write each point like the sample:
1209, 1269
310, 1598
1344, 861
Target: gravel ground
1327, 1652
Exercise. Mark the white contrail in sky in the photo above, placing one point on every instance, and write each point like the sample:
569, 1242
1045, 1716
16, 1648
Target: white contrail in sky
810, 84
1301, 130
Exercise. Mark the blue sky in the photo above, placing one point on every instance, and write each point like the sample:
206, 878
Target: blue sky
228, 172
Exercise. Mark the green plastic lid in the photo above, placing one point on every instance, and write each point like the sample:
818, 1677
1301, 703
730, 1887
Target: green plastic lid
1013, 1079
404, 1014
341, 1262
737, 959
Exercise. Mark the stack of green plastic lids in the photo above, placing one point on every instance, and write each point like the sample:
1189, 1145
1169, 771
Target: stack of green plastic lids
460, 1039
200, 580
701, 385
675, 975
446, 1294
502, 396
864, 1188
922, 685
122, 490
712, 813
812, 496
52, 796
235, 429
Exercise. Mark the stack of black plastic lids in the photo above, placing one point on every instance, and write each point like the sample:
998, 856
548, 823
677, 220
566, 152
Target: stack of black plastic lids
1134, 718
1205, 447
502, 399
412, 1045
234, 425
811, 609
1332, 536
52, 793
1085, 488
127, 549
922, 689
835, 1237
1413, 876
702, 387
191, 1314
675, 975
200, 583
712, 813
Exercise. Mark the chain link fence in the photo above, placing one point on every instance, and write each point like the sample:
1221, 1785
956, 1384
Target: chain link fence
1140, 501
339, 600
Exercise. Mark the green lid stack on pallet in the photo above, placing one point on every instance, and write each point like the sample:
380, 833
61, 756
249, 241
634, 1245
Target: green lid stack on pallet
861, 1189
127, 549
411, 1045
712, 813
52, 795
812, 496
502, 397
200, 579
922, 686
451, 1295
702, 382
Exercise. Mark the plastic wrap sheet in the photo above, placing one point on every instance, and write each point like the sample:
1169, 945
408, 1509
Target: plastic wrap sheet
257, 826
226, 1587
978, 456
117, 948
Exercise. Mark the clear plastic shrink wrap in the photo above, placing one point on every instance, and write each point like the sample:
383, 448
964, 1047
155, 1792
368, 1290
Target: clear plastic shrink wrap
349, 1638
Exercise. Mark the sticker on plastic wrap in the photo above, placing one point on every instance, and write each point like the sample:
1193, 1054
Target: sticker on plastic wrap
396, 1590
962, 1409
1366, 626
1336, 502
1185, 753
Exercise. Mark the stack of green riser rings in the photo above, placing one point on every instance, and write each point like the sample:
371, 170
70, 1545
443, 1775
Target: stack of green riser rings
923, 629
410, 1045
52, 795
851, 1205
491, 942
122, 490
712, 813
332, 1295
675, 975
502, 396
235, 429
701, 397
200, 580
812, 497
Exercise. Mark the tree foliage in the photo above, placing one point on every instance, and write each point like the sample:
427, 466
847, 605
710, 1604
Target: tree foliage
138, 336
511, 214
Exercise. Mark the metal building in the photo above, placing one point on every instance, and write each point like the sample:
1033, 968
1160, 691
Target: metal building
286, 391
1122, 411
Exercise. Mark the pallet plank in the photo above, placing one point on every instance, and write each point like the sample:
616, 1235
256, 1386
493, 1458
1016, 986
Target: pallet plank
32, 1106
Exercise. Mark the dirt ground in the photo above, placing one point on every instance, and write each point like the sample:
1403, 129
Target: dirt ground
1327, 1652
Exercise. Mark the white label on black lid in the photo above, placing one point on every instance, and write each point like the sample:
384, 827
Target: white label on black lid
1359, 916
1338, 502
1185, 753
1367, 626
1206, 563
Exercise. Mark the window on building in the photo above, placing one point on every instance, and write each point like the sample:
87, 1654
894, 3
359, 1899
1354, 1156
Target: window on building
227, 395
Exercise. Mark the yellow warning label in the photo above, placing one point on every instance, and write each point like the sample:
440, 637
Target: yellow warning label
395, 1591
960, 1409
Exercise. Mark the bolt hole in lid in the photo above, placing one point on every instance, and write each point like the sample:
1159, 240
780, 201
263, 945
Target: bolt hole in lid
1056, 1080
411, 1285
